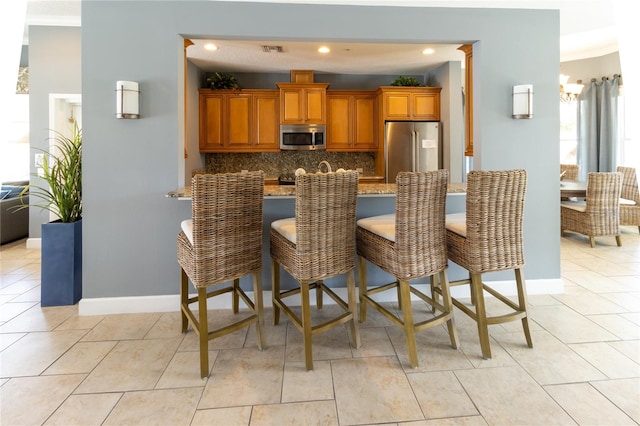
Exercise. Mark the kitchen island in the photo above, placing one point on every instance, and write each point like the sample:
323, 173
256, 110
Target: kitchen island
373, 199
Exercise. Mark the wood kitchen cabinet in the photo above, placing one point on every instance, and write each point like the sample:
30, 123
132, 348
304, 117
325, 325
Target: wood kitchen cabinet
303, 103
410, 103
352, 121
239, 120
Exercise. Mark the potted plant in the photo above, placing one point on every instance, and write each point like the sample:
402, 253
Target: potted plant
61, 194
406, 81
222, 80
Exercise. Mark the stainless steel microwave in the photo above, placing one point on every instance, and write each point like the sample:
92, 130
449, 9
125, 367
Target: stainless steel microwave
302, 137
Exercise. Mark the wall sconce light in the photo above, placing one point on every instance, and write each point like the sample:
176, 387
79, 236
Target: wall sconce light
523, 101
127, 99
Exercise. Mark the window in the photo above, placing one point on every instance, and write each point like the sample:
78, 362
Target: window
628, 153
568, 132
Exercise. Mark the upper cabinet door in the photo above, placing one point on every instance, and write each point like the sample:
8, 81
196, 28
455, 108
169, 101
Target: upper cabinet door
410, 103
425, 106
351, 120
302, 103
211, 122
397, 105
338, 121
239, 121
266, 121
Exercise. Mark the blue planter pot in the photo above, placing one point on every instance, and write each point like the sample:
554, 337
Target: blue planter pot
61, 264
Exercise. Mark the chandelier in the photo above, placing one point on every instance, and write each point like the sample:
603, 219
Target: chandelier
569, 92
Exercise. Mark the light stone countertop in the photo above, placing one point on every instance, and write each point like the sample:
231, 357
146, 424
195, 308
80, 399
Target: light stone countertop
365, 189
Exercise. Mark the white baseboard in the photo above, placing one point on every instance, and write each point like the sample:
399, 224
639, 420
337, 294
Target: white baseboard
171, 303
34, 243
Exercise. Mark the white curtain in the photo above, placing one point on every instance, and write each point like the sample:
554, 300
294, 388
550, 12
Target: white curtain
598, 135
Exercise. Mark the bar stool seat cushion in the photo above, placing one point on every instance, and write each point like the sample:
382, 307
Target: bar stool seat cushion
286, 228
456, 222
187, 228
384, 225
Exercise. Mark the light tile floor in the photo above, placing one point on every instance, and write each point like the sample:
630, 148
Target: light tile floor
57, 368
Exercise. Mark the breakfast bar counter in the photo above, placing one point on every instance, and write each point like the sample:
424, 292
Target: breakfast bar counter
287, 191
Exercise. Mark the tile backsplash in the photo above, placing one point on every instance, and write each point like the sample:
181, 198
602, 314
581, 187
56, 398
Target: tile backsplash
277, 163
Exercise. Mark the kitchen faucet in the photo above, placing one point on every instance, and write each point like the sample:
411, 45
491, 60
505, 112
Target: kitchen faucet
326, 163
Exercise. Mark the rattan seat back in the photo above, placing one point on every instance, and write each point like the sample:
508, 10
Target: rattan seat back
629, 214
494, 219
418, 250
227, 227
325, 211
323, 247
571, 171
227, 245
492, 241
601, 216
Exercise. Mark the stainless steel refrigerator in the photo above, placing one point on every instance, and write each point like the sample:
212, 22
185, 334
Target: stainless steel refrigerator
411, 146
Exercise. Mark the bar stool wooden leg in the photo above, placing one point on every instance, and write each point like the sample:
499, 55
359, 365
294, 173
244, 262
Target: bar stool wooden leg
481, 315
319, 294
236, 297
257, 286
203, 328
184, 296
522, 302
362, 281
407, 316
275, 291
306, 324
351, 298
448, 306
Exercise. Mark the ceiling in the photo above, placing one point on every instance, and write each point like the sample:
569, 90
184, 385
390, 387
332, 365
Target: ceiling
587, 29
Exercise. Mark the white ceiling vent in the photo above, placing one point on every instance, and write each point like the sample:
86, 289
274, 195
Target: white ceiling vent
272, 49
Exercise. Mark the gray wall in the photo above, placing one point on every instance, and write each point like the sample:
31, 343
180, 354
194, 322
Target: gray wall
54, 68
586, 69
130, 227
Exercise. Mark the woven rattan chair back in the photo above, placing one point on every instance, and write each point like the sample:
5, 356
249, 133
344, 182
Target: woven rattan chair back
227, 226
571, 171
420, 235
418, 250
325, 213
629, 214
629, 184
495, 208
601, 214
493, 242
325, 218
227, 245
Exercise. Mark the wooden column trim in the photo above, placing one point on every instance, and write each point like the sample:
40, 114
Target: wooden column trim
468, 104
187, 43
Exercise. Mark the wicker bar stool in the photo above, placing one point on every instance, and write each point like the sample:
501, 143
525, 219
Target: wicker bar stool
409, 244
221, 243
318, 243
629, 197
488, 238
599, 214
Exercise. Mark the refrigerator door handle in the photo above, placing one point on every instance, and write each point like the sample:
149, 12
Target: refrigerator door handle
416, 151
413, 148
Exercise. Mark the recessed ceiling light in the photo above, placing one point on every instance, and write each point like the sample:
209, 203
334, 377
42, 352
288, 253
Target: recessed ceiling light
324, 49
428, 51
210, 46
